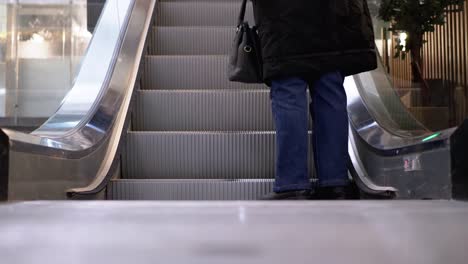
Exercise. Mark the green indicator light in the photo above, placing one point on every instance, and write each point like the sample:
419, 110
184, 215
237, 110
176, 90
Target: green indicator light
431, 137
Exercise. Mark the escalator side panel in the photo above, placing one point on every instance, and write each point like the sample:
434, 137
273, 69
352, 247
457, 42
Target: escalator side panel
419, 175
52, 175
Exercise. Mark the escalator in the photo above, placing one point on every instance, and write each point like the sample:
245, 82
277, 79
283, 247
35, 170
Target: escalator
160, 121
194, 134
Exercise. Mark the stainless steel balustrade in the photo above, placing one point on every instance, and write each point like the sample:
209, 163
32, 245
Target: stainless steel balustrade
389, 149
372, 119
79, 142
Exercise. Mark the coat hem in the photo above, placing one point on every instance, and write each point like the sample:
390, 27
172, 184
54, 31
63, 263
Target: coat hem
310, 67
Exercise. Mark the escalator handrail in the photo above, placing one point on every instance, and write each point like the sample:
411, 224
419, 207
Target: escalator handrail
103, 124
82, 121
359, 173
380, 139
365, 126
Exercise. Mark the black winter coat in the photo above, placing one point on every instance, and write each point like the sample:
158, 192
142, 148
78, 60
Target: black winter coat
308, 37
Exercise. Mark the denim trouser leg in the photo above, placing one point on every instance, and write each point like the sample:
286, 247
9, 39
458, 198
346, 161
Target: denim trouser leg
289, 105
330, 125
330, 137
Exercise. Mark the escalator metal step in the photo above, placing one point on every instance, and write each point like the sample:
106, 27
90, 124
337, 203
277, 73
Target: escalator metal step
203, 110
185, 91
189, 189
190, 73
191, 40
201, 13
200, 155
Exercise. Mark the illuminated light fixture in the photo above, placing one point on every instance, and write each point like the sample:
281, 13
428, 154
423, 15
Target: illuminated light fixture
403, 36
37, 38
431, 137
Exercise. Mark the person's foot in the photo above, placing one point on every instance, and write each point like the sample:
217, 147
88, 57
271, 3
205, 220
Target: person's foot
292, 195
337, 193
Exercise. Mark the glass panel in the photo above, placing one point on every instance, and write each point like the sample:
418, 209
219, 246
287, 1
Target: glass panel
42, 44
95, 70
402, 102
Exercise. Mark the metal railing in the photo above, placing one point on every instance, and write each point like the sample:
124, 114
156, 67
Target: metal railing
79, 143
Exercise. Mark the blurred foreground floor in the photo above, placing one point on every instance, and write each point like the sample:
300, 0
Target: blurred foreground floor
429, 232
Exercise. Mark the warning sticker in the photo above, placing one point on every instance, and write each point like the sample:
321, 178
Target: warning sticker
412, 163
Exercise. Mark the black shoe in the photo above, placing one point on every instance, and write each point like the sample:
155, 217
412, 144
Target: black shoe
337, 193
292, 195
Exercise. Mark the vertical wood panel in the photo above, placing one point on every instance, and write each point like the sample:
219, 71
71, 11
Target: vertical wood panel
445, 57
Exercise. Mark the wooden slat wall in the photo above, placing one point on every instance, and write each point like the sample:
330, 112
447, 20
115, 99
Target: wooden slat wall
445, 57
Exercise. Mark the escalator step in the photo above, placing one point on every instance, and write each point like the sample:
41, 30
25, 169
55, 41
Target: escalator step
189, 189
191, 40
189, 117
203, 110
190, 73
200, 155
201, 13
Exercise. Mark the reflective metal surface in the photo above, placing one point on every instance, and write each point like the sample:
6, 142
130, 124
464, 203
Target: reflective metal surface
360, 174
83, 119
380, 131
393, 156
95, 74
377, 112
424, 174
83, 137
388, 146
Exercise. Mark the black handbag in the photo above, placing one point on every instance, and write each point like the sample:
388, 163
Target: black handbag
245, 60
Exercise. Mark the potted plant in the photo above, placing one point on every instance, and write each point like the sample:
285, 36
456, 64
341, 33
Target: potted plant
412, 19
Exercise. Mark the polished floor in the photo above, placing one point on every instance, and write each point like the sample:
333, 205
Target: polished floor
429, 232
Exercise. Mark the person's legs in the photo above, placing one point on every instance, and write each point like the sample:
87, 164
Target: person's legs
289, 106
330, 129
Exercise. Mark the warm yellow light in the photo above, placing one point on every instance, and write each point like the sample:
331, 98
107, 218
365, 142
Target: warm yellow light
403, 36
37, 38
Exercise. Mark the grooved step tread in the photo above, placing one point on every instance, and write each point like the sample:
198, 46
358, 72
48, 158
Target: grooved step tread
191, 40
190, 73
185, 90
201, 155
189, 189
203, 110
201, 13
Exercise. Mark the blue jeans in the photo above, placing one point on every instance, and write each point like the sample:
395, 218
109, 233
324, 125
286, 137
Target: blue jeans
330, 131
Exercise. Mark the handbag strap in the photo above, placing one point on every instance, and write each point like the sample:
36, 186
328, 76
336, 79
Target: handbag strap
242, 12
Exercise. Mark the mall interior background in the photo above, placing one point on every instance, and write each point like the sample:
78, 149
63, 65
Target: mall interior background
41, 46
445, 68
